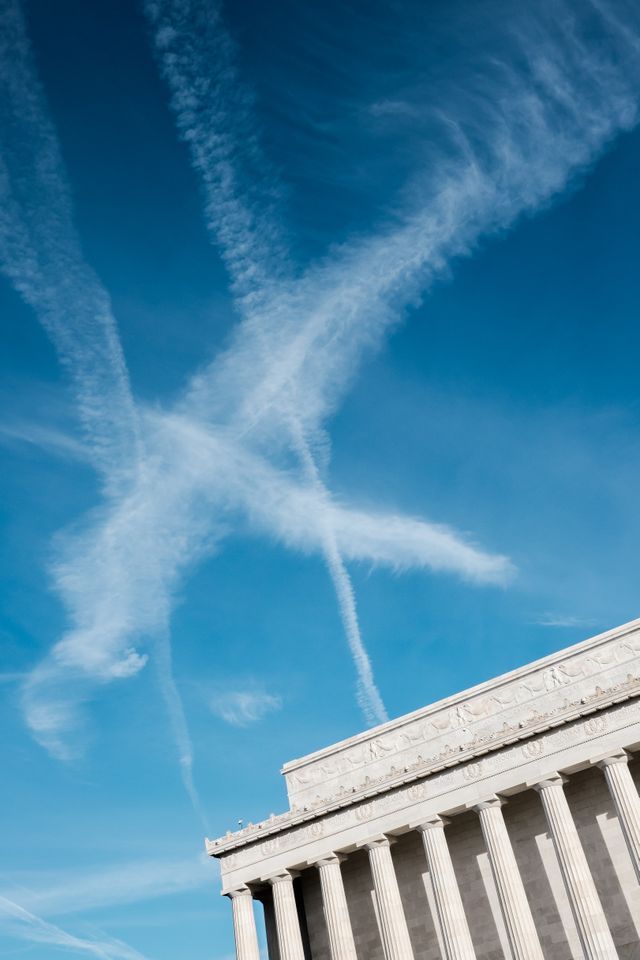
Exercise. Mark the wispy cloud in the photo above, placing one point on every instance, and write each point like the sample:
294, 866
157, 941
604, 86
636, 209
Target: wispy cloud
46, 438
23, 925
563, 620
241, 708
225, 452
61, 892
393, 108
41, 253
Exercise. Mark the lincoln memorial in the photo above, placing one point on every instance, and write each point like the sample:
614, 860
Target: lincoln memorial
503, 822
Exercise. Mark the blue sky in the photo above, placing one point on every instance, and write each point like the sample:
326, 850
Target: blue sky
319, 403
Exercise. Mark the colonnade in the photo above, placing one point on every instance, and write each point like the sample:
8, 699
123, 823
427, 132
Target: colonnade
595, 936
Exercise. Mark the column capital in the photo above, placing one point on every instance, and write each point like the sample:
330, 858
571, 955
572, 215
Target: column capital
491, 803
282, 876
327, 859
241, 891
436, 822
374, 842
550, 780
616, 756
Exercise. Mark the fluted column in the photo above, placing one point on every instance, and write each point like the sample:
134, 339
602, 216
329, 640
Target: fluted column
287, 922
244, 924
336, 912
626, 801
516, 911
593, 930
395, 933
451, 917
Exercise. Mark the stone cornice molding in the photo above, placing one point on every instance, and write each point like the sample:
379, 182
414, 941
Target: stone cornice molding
491, 711
567, 747
593, 698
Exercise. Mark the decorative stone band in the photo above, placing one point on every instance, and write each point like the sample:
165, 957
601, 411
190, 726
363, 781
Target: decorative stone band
566, 747
490, 714
393, 763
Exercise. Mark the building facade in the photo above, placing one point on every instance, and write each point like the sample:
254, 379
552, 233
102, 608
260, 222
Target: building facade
503, 822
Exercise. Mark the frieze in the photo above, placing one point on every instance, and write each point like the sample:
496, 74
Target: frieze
499, 710
291, 835
449, 756
442, 783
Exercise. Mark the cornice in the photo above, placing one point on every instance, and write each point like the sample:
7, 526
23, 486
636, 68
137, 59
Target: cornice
487, 686
599, 700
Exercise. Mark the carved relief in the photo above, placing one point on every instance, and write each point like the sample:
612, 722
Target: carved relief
416, 792
595, 725
470, 723
472, 771
403, 799
365, 812
552, 696
532, 749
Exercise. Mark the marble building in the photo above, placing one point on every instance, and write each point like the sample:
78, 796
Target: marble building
503, 822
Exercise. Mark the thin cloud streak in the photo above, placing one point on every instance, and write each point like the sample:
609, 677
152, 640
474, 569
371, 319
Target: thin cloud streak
214, 117
41, 254
563, 620
241, 708
46, 438
64, 892
24, 925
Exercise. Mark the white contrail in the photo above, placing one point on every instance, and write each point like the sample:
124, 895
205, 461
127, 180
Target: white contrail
369, 697
41, 254
25, 925
178, 721
213, 117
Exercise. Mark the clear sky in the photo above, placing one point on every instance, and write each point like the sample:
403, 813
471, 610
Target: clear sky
319, 403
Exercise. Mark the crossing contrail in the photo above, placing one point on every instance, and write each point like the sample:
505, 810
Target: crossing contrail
212, 115
224, 450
